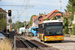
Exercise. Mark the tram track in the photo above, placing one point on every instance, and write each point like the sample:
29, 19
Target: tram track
40, 44
20, 45
25, 44
29, 45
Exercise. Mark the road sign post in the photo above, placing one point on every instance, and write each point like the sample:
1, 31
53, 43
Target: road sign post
10, 20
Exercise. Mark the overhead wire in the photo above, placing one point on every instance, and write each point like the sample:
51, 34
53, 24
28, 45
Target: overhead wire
21, 9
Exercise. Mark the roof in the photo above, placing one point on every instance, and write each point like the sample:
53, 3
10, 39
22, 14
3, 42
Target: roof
35, 17
58, 14
2, 10
49, 21
55, 11
67, 14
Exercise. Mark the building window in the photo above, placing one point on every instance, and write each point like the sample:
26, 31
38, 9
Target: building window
40, 20
40, 16
58, 17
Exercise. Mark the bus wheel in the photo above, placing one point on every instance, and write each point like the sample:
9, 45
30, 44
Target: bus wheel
22, 33
60, 41
41, 40
32, 34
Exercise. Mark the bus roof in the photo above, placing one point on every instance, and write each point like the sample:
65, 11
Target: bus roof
22, 28
50, 21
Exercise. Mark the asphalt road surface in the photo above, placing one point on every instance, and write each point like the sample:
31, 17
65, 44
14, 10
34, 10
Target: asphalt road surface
67, 44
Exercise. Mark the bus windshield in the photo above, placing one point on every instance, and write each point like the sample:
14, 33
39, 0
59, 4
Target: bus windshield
35, 29
54, 30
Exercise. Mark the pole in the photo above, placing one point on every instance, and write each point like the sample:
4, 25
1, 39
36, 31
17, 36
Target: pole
10, 18
60, 5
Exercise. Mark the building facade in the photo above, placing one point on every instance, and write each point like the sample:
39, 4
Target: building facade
3, 15
51, 15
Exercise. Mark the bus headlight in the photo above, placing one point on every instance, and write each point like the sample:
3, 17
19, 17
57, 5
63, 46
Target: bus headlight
61, 37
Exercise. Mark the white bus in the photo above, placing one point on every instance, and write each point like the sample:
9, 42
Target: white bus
21, 30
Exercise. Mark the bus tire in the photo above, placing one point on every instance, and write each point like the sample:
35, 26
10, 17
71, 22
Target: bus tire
22, 33
32, 34
60, 41
41, 40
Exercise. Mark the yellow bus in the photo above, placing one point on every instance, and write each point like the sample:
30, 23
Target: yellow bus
51, 30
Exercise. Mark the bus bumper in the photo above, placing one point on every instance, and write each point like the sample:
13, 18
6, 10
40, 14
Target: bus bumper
61, 38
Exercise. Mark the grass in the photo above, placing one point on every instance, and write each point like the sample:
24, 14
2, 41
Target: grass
5, 45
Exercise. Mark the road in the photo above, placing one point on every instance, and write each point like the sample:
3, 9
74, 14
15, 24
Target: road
67, 44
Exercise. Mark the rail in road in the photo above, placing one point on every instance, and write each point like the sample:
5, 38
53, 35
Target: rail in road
24, 44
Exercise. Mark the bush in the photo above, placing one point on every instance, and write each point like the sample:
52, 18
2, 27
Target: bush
73, 30
47, 18
66, 30
54, 18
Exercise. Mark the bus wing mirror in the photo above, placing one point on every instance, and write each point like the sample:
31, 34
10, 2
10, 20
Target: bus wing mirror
63, 27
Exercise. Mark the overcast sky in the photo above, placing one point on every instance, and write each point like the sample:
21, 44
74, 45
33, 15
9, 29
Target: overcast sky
34, 7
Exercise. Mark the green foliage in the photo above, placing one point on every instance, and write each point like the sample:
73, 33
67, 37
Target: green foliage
73, 30
54, 18
1, 16
65, 21
47, 18
72, 17
41, 14
30, 22
66, 30
17, 25
70, 6
66, 25
3, 23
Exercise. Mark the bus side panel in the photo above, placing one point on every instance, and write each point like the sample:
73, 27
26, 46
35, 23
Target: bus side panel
54, 38
59, 38
41, 36
49, 38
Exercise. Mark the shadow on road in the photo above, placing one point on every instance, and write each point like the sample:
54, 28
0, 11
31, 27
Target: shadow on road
65, 41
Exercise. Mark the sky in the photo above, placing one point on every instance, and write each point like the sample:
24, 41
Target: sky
27, 8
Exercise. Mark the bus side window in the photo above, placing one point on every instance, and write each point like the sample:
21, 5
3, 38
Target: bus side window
43, 30
39, 31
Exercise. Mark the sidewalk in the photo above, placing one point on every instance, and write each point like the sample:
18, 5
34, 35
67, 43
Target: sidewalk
69, 38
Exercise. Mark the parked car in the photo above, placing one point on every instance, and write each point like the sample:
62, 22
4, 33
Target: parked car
3, 35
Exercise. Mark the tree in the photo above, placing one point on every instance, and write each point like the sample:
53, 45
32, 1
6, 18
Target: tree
3, 23
70, 7
47, 18
66, 25
41, 14
17, 25
54, 18
73, 29
30, 22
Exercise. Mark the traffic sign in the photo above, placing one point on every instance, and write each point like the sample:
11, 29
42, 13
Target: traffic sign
10, 20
